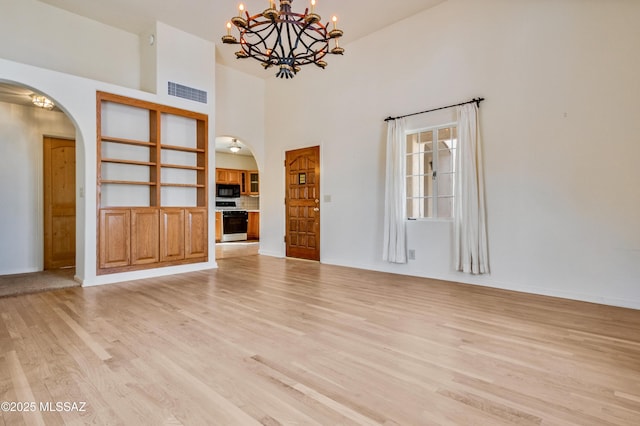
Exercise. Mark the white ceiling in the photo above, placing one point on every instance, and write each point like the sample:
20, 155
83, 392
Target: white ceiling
207, 18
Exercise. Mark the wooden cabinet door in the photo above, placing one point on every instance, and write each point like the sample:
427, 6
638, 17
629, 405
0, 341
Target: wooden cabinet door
221, 176
145, 230
254, 183
196, 237
234, 176
218, 226
171, 234
244, 182
230, 176
115, 234
253, 227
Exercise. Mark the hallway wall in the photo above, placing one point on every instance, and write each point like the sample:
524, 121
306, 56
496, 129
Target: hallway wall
21, 210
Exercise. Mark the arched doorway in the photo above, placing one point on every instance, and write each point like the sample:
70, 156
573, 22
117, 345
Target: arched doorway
236, 166
36, 143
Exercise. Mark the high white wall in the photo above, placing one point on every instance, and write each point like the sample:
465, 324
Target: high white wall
39, 34
21, 183
240, 109
560, 125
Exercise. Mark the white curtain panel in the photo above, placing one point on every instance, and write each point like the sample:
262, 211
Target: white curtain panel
470, 228
395, 246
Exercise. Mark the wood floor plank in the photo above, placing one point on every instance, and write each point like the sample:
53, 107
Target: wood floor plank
277, 341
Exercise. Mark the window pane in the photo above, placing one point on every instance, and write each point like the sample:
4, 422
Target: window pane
445, 207
427, 207
445, 184
414, 164
412, 144
427, 185
426, 138
427, 163
413, 187
413, 208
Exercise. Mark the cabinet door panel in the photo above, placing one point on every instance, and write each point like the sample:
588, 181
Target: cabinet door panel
218, 226
234, 176
145, 230
114, 237
196, 237
171, 234
253, 228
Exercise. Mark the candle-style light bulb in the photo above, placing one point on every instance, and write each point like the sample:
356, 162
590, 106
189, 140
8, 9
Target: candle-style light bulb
228, 28
313, 5
240, 9
334, 19
272, 4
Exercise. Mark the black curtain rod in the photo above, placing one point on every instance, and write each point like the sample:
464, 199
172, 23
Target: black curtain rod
472, 101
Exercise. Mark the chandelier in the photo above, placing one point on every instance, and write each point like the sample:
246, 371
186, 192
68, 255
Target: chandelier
284, 39
42, 101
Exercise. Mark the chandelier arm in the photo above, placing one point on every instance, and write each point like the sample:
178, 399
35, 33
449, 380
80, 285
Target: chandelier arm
311, 52
292, 46
252, 49
304, 30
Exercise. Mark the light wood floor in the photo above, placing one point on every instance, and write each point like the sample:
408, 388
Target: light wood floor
235, 249
272, 341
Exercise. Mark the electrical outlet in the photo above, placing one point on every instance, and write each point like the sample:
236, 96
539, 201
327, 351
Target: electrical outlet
412, 254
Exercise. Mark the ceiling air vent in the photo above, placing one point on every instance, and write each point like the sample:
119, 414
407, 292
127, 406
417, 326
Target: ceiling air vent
186, 92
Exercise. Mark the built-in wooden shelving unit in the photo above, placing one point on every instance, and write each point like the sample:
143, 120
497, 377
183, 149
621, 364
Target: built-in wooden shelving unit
152, 184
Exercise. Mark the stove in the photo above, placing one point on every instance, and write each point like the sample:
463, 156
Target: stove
227, 205
234, 221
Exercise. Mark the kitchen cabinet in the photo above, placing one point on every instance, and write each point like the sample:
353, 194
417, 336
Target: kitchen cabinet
253, 227
253, 186
218, 227
229, 176
244, 182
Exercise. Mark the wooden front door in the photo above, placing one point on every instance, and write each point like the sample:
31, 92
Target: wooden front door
59, 161
303, 203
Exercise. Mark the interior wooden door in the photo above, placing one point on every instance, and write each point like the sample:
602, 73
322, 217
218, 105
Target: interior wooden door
59, 176
303, 203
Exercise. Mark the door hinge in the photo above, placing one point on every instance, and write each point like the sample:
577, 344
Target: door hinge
285, 238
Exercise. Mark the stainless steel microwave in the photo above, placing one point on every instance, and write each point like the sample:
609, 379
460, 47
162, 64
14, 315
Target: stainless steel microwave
224, 190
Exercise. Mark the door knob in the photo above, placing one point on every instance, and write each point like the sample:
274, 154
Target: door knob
317, 201
316, 209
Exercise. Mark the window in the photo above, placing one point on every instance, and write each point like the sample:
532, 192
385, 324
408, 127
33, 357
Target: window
431, 159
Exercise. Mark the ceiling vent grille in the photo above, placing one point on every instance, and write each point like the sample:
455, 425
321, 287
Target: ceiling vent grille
186, 92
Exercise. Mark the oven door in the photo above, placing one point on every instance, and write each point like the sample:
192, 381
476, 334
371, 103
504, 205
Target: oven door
234, 225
